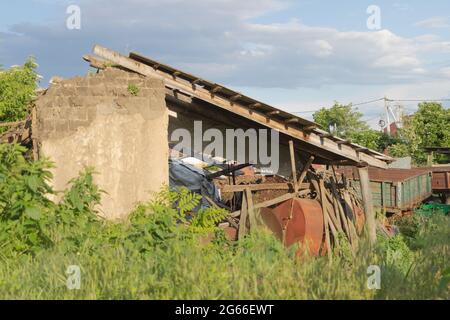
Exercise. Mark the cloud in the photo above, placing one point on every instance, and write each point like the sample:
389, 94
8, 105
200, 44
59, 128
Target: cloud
220, 40
434, 23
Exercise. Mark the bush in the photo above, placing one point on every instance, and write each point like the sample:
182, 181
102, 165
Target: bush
23, 201
160, 252
17, 89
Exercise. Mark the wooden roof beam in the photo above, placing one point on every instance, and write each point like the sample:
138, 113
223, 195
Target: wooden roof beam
216, 89
272, 113
235, 98
255, 105
176, 74
309, 128
324, 135
291, 121
313, 139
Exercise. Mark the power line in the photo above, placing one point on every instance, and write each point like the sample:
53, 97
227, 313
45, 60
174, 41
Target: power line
417, 100
311, 111
379, 99
366, 102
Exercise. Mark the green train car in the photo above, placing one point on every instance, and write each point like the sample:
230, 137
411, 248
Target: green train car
395, 189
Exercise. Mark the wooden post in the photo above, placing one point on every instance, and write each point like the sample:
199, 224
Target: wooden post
294, 170
326, 222
305, 170
368, 203
430, 159
243, 220
250, 209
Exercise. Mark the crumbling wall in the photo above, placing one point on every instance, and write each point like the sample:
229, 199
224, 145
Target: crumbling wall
115, 121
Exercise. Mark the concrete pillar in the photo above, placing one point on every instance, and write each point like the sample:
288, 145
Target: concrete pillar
368, 204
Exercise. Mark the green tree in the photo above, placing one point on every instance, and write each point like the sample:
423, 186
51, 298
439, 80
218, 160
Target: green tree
428, 127
345, 122
368, 138
17, 89
341, 120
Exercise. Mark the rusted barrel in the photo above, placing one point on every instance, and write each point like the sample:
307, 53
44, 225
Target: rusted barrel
297, 220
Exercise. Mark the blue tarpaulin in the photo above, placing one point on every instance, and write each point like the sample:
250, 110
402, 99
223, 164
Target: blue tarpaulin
185, 175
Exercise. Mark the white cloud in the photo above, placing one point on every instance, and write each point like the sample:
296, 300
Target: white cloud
219, 40
434, 23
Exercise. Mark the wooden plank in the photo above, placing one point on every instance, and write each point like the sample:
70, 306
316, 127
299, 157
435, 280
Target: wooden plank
311, 138
254, 105
263, 186
250, 210
272, 113
305, 170
292, 120
339, 210
293, 167
272, 202
94, 62
368, 204
243, 219
235, 97
326, 220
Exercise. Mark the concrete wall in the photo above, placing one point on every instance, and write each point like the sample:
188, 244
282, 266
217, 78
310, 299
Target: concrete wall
96, 121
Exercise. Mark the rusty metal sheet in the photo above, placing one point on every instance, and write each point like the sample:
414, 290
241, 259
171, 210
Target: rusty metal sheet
297, 220
441, 180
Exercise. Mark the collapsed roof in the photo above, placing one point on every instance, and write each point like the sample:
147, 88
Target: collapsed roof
327, 148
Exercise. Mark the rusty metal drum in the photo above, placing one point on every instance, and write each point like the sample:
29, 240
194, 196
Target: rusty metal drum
297, 220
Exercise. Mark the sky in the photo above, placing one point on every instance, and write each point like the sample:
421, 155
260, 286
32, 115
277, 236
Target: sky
299, 55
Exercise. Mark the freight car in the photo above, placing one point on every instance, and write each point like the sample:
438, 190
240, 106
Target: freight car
394, 190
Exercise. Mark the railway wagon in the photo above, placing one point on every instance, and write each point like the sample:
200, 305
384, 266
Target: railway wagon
395, 189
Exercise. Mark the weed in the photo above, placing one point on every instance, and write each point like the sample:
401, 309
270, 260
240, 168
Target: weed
133, 89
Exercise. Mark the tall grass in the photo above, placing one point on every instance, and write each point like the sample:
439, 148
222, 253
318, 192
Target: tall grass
257, 268
157, 254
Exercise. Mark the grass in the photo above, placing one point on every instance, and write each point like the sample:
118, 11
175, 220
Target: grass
158, 254
257, 268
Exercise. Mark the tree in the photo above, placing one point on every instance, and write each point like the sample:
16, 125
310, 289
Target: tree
17, 89
340, 120
428, 127
368, 138
345, 122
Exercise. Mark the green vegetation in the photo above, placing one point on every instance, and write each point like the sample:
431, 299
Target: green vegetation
345, 119
133, 89
161, 252
17, 89
345, 122
428, 127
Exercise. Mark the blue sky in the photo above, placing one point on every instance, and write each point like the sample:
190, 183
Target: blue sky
297, 55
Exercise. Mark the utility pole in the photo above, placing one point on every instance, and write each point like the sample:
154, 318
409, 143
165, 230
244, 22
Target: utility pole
388, 122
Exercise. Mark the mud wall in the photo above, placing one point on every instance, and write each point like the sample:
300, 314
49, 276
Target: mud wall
115, 121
